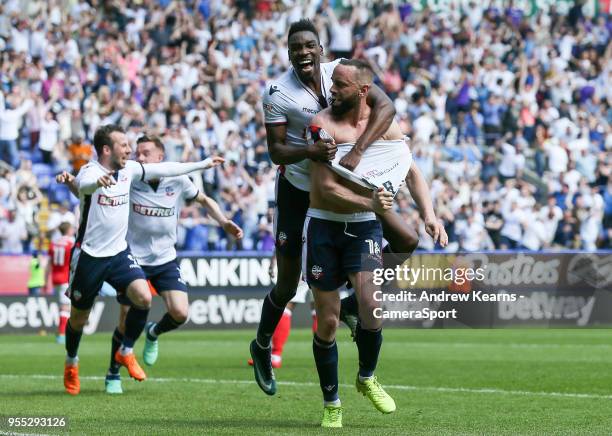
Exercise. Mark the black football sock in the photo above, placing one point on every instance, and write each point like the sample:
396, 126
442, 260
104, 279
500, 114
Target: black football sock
368, 344
271, 313
115, 345
73, 338
166, 324
326, 359
135, 321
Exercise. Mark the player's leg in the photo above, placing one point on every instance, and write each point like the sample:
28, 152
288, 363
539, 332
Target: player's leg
167, 281
64, 312
325, 351
322, 272
292, 205
128, 278
86, 278
112, 381
403, 240
360, 259
177, 306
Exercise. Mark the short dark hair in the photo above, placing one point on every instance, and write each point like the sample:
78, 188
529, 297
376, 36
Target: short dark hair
303, 25
102, 136
365, 74
64, 227
152, 138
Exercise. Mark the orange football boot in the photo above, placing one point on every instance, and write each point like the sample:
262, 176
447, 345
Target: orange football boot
130, 362
71, 379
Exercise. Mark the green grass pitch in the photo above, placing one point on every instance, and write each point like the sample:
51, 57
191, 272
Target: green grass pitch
444, 382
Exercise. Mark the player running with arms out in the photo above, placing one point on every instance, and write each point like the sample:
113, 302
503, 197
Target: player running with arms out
343, 236
152, 236
58, 270
289, 104
101, 252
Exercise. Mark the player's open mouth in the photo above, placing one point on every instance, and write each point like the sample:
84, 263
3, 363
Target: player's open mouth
306, 64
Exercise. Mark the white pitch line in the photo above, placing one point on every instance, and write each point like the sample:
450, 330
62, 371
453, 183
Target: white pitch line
12, 433
343, 385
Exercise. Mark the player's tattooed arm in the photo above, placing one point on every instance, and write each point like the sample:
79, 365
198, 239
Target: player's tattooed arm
215, 212
381, 117
326, 182
283, 154
417, 185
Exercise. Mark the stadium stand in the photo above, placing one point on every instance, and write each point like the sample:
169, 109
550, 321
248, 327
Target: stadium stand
508, 110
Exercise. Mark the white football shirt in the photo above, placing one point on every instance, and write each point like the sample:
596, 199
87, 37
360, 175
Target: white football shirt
385, 164
153, 218
287, 100
104, 213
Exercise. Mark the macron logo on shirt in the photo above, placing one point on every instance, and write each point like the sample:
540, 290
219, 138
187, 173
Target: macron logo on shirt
117, 200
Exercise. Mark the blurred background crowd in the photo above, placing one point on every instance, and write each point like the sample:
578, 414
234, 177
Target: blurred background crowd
507, 107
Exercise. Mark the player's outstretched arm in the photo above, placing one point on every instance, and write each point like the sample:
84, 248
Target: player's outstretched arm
215, 212
417, 185
69, 180
327, 183
155, 171
381, 117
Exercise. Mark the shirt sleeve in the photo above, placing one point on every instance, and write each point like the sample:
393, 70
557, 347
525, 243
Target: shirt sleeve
190, 191
87, 179
274, 107
136, 169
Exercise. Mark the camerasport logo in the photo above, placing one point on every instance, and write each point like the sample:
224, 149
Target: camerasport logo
316, 271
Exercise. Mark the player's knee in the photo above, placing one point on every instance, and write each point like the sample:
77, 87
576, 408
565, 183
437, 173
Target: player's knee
77, 322
328, 324
179, 314
141, 299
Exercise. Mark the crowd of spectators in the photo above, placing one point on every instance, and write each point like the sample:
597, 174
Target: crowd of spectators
509, 114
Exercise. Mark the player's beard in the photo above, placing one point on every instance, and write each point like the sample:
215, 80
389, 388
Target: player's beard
345, 106
116, 162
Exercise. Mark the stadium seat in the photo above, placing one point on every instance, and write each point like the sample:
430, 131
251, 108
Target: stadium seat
44, 174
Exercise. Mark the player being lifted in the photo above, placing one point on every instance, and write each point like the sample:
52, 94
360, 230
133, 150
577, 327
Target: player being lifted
58, 270
101, 252
343, 237
152, 236
289, 104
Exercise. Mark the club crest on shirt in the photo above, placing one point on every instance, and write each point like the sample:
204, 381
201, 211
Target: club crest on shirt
169, 191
